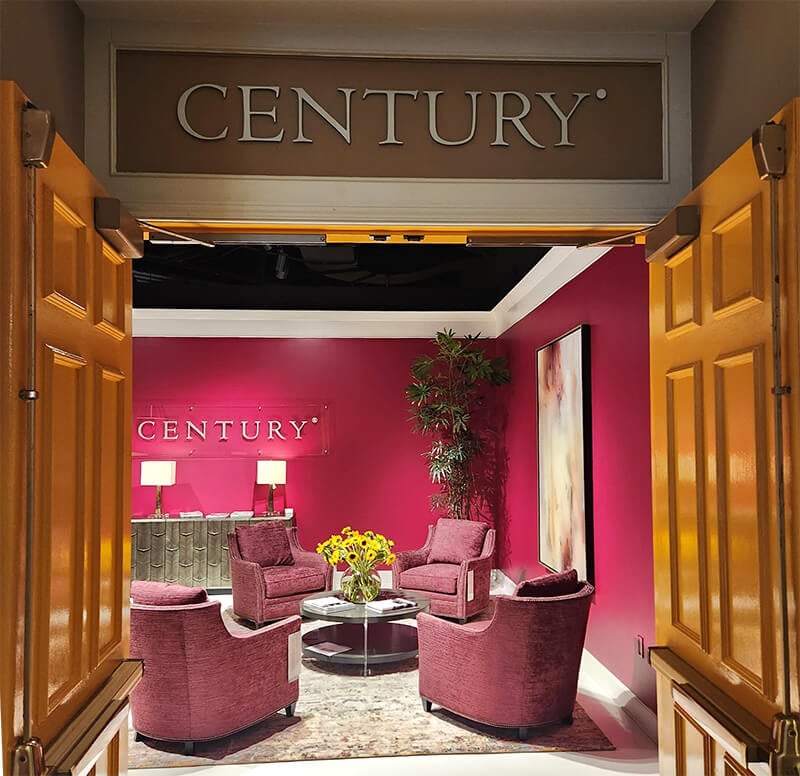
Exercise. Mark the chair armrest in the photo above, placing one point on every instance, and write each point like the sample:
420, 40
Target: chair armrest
481, 569
247, 586
474, 564
407, 559
308, 559
257, 662
274, 630
436, 630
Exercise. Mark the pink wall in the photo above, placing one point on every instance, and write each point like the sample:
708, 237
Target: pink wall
612, 298
373, 476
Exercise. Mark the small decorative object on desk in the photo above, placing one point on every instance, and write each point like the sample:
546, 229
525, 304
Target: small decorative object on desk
390, 604
362, 553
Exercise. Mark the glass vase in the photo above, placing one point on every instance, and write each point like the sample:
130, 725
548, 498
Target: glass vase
360, 586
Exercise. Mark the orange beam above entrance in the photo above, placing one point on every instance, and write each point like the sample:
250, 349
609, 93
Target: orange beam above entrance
414, 233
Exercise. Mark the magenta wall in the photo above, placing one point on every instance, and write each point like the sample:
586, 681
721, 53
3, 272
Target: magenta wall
612, 298
374, 475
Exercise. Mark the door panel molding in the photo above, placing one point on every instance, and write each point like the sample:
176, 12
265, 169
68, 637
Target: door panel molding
109, 294
58, 638
688, 564
683, 303
64, 267
743, 521
109, 430
739, 259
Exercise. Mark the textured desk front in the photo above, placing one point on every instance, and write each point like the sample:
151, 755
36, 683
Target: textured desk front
186, 552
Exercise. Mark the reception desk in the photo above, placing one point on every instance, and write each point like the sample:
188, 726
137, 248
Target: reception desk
185, 551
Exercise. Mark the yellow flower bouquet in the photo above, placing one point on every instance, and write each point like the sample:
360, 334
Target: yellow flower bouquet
362, 552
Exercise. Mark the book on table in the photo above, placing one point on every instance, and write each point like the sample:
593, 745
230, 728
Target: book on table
328, 604
328, 648
390, 604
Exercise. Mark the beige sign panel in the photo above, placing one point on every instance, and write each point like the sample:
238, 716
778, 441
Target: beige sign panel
232, 114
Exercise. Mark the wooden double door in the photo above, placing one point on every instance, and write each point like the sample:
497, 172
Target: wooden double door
715, 494
65, 395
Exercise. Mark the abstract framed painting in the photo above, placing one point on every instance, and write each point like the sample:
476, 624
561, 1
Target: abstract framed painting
564, 447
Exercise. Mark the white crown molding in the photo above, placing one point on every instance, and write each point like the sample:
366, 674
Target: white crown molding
306, 324
554, 270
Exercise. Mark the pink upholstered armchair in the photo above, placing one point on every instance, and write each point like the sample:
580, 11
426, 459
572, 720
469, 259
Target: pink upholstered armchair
517, 669
271, 572
453, 568
200, 680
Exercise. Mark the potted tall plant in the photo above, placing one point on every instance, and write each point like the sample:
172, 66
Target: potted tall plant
448, 398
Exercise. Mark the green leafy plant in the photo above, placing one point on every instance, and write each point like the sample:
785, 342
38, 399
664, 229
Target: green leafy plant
448, 401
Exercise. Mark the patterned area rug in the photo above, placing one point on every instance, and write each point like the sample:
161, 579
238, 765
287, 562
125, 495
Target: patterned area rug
341, 714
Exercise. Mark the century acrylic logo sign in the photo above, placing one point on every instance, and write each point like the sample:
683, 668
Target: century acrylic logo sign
205, 431
510, 110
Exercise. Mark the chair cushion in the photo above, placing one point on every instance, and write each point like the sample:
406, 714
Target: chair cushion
281, 581
433, 578
166, 594
562, 583
456, 540
264, 543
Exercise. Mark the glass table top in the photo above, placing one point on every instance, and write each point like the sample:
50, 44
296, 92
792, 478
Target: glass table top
362, 612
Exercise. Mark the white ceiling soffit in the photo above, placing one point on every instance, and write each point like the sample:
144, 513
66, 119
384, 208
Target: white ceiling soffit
556, 268
535, 15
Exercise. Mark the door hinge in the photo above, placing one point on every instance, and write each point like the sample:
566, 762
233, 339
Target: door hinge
28, 394
28, 758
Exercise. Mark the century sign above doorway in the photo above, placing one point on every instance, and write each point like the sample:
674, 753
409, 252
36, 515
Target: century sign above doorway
276, 115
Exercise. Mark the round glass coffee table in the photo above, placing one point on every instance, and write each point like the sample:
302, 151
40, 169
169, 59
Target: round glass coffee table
362, 635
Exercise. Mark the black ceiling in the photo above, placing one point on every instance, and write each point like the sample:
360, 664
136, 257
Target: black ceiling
328, 277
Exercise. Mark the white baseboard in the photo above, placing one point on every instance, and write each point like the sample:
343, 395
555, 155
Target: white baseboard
609, 685
501, 584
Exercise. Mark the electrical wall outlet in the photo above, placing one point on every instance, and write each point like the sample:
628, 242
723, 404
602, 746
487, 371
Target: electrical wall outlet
640, 648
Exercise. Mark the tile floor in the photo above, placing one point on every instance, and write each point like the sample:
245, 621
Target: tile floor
635, 753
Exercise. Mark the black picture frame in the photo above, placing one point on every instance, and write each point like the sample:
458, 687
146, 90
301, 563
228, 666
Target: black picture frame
564, 445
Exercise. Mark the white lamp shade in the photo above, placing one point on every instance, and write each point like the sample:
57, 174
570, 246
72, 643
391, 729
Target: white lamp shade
158, 473
271, 473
